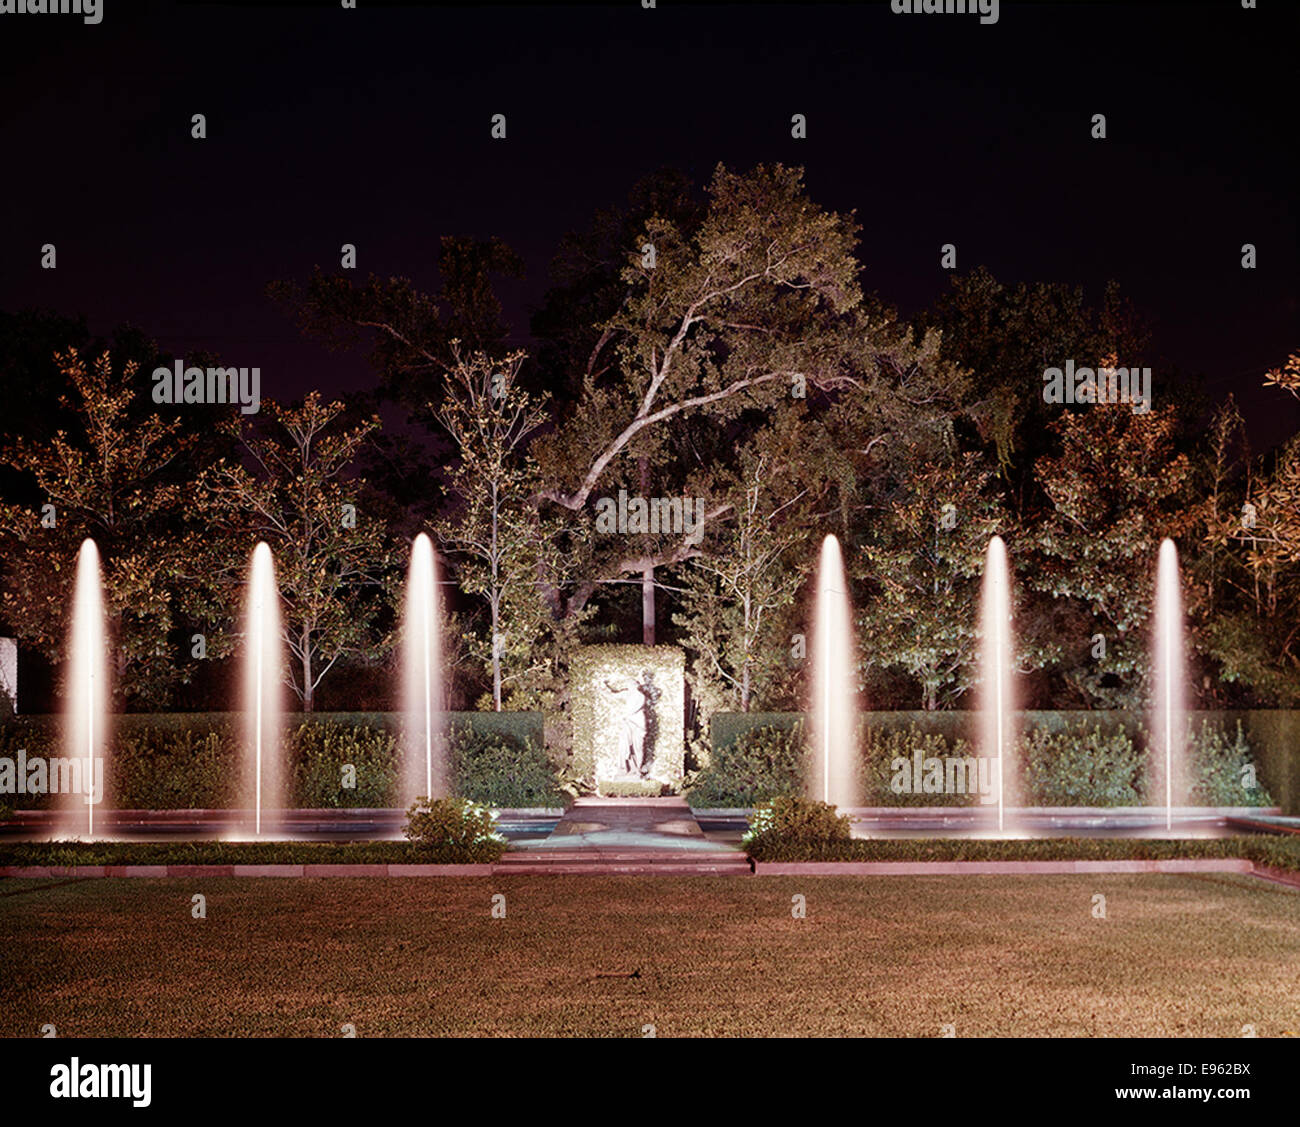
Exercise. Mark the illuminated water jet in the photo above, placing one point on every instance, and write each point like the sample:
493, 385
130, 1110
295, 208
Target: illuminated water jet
263, 659
1167, 724
424, 774
995, 664
835, 680
87, 687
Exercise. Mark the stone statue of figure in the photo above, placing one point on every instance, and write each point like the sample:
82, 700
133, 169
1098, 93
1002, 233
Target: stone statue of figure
631, 737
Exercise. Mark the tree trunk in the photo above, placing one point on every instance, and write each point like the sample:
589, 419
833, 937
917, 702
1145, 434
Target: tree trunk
648, 606
307, 691
647, 576
496, 657
496, 600
744, 675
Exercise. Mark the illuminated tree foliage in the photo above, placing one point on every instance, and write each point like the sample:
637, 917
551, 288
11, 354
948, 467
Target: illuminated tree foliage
1117, 488
336, 563
113, 477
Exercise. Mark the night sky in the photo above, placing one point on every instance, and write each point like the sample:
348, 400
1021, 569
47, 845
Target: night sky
328, 126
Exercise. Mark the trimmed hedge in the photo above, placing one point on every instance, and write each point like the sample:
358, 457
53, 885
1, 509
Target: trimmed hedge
179, 761
236, 853
1281, 852
493, 769
1064, 759
759, 764
725, 728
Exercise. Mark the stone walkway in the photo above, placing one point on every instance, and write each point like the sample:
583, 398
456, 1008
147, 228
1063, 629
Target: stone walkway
626, 835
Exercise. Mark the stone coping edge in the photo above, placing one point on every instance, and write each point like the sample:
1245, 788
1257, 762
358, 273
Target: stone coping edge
1007, 868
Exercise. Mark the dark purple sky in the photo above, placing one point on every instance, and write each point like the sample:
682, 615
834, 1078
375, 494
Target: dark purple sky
372, 126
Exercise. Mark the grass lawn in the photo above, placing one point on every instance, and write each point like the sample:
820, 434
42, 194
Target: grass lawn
604, 956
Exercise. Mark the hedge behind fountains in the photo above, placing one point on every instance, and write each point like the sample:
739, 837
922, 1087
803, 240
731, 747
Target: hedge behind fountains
1067, 758
182, 761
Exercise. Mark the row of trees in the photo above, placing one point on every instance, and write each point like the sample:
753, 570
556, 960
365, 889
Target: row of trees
716, 347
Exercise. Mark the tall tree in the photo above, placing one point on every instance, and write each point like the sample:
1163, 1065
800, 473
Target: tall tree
923, 564
713, 322
1117, 488
493, 527
1007, 335
1250, 621
409, 332
735, 594
335, 561
110, 477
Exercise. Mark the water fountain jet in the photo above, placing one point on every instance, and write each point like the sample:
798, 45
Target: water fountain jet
263, 658
1168, 707
87, 697
995, 663
834, 711
424, 774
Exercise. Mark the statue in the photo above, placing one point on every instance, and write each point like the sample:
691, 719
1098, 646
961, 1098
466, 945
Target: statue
631, 737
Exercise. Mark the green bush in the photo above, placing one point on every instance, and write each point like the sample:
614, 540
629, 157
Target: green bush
882, 750
443, 825
727, 727
1218, 769
1094, 765
758, 765
158, 769
1278, 852
40, 738
792, 820
318, 752
1082, 765
236, 853
171, 761
1275, 852
500, 772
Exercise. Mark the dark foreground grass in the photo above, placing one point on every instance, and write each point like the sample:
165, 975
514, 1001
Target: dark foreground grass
606, 956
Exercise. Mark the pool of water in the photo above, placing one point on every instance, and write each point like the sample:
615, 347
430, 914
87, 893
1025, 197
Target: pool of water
723, 828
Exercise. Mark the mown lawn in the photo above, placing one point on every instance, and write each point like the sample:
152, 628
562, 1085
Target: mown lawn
606, 956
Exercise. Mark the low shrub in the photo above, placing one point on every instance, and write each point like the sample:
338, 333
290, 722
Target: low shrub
156, 769
1082, 765
497, 771
1221, 771
320, 750
454, 825
791, 820
884, 781
758, 765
